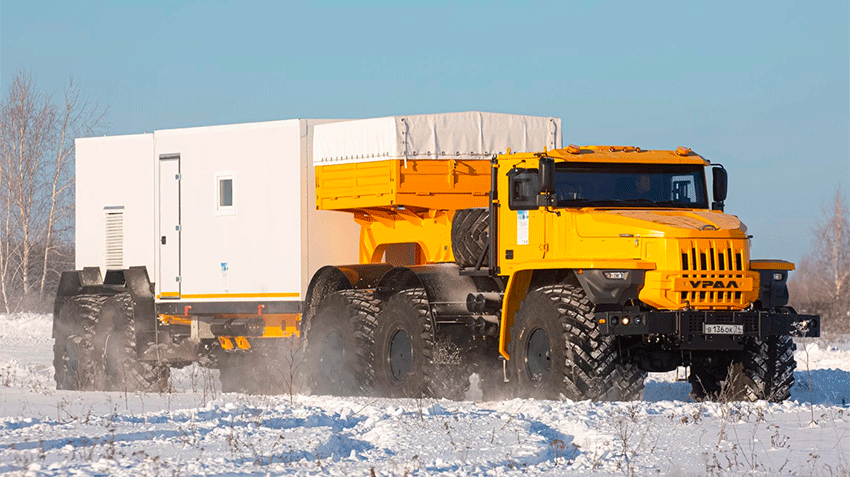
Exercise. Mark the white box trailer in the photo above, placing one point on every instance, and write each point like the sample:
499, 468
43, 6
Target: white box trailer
200, 241
215, 214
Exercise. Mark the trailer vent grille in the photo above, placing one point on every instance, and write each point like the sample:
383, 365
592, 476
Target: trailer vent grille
114, 239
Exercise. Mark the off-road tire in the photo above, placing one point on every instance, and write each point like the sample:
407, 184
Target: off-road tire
626, 383
470, 232
570, 358
768, 369
73, 351
410, 373
118, 367
345, 320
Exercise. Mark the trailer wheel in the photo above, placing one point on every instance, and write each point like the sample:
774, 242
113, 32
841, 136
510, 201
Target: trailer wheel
768, 369
118, 366
404, 347
557, 350
339, 343
73, 351
470, 231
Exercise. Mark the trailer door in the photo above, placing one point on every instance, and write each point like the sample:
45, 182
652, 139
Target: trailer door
169, 227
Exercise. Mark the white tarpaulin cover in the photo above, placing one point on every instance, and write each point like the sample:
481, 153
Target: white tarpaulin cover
467, 135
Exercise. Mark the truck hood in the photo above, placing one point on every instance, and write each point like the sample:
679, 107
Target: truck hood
655, 223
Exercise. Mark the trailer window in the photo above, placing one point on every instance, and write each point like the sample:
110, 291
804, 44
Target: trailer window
225, 194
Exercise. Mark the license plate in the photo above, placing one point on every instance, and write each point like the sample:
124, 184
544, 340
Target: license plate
723, 329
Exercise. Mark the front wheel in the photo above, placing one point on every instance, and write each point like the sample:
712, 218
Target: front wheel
768, 369
557, 350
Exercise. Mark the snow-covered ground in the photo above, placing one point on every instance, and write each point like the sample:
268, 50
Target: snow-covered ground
196, 430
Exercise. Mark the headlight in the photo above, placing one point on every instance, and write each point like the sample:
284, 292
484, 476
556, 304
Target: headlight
615, 275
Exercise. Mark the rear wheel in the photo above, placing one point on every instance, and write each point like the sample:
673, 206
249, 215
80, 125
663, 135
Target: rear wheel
557, 350
339, 344
405, 347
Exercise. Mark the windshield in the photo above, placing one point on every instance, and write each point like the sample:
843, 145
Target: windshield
630, 185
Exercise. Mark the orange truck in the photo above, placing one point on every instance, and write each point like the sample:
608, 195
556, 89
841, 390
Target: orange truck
478, 245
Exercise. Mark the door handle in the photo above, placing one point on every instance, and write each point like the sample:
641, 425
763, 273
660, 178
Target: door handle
162, 239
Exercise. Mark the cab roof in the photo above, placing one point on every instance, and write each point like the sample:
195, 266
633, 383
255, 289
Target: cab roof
621, 154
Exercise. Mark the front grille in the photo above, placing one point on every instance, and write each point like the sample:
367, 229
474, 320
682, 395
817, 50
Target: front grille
714, 260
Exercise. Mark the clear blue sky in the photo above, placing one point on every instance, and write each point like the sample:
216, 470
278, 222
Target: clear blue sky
761, 87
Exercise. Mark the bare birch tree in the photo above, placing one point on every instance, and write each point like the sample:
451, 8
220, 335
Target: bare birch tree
822, 281
37, 179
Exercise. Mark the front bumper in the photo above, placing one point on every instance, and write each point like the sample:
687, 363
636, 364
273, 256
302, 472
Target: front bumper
689, 326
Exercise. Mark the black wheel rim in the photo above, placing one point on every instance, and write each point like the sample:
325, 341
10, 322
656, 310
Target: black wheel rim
333, 354
400, 355
538, 360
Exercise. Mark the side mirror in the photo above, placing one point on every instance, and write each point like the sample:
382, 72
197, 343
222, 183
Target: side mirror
547, 175
720, 180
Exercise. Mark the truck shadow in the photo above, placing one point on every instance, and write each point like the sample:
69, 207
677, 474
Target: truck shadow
830, 387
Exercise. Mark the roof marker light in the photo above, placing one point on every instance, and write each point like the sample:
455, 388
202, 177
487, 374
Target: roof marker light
683, 151
573, 149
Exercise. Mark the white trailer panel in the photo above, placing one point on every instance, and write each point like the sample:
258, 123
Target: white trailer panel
114, 201
214, 213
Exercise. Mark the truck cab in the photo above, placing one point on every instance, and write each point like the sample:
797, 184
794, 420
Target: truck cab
664, 272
